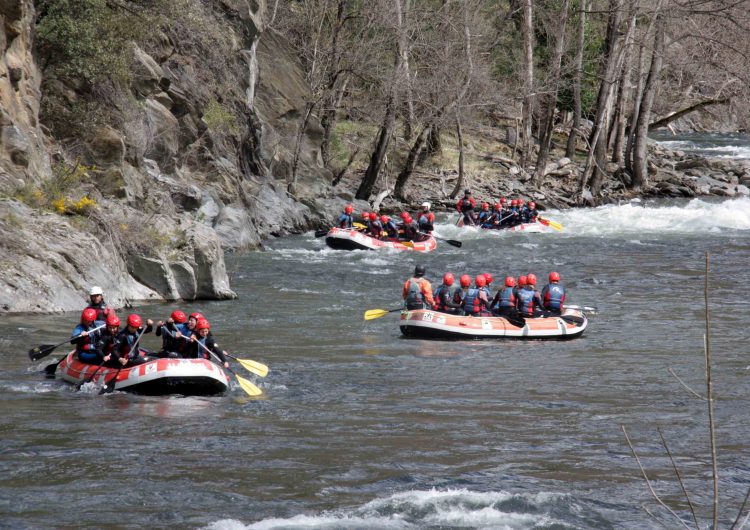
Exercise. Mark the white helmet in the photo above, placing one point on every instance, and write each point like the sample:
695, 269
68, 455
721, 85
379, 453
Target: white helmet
426, 205
95, 290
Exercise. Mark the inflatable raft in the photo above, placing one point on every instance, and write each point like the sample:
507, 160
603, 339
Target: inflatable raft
427, 324
350, 239
190, 377
523, 227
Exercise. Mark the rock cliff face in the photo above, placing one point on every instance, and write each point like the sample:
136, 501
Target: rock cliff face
193, 158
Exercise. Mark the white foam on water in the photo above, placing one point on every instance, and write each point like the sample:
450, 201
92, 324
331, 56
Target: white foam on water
411, 510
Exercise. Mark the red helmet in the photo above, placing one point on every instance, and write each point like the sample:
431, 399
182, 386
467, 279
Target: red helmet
179, 317
465, 280
521, 281
514, 202
532, 205
554, 276
488, 278
196, 316
497, 206
520, 202
365, 215
510, 281
404, 215
134, 320
480, 281
348, 208
202, 324
485, 206
384, 219
530, 279
503, 200
448, 278
88, 315
373, 216
408, 219
112, 320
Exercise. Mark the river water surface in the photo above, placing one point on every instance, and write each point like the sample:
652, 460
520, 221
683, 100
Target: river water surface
359, 428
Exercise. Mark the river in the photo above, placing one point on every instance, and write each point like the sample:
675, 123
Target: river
359, 428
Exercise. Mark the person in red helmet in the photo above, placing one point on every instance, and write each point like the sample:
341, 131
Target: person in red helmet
86, 335
417, 292
528, 301
170, 345
346, 219
466, 207
533, 212
108, 341
409, 229
374, 226
504, 302
475, 302
553, 294
187, 329
126, 339
484, 215
389, 227
447, 296
203, 345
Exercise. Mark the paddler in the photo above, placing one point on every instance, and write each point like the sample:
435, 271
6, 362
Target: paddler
171, 346
417, 292
126, 339
85, 336
447, 297
528, 300
553, 294
346, 219
466, 206
475, 301
425, 218
202, 340
96, 301
390, 229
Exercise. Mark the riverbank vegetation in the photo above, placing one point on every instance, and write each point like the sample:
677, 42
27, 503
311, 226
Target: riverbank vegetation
584, 79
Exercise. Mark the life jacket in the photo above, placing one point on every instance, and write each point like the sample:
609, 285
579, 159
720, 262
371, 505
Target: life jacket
126, 341
472, 303
391, 228
533, 214
465, 205
526, 301
108, 343
553, 296
375, 228
425, 220
507, 298
101, 310
87, 343
414, 297
410, 231
345, 221
443, 295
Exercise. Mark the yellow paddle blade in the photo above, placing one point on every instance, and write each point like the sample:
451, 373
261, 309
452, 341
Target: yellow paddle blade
409, 244
372, 314
255, 367
249, 388
553, 224
359, 225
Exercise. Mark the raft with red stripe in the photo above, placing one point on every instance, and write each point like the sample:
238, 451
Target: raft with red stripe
428, 324
523, 227
351, 239
189, 377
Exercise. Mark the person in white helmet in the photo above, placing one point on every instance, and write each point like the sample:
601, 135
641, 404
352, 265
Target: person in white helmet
425, 218
96, 301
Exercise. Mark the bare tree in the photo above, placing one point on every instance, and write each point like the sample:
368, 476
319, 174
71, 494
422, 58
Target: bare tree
528, 88
580, 43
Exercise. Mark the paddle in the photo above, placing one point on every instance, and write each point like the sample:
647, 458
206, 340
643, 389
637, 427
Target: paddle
372, 314
572, 319
249, 388
79, 385
255, 367
551, 224
452, 242
109, 386
45, 349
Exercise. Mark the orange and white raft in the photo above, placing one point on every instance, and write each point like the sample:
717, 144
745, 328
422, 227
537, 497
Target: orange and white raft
427, 324
190, 377
350, 239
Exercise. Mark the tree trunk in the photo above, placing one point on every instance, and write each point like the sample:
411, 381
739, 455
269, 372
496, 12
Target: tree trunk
622, 95
291, 187
548, 123
386, 130
461, 176
434, 145
612, 57
411, 162
640, 154
570, 149
528, 85
332, 100
666, 120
